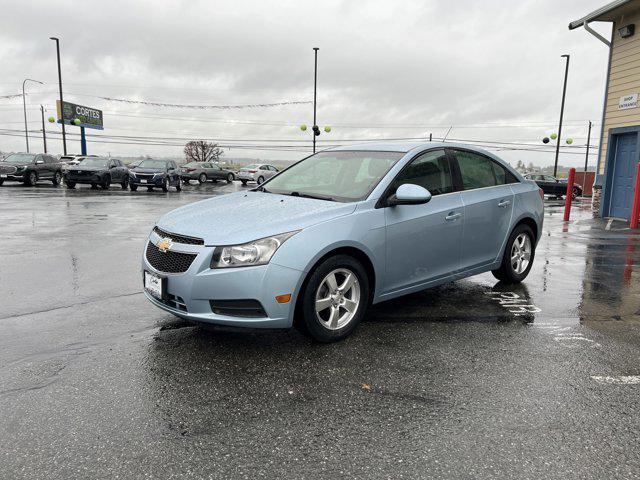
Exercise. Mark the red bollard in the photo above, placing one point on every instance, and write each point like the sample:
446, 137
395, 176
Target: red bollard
635, 211
568, 197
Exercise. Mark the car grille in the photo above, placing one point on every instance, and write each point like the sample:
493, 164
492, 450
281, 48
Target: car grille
7, 170
169, 262
176, 302
179, 238
143, 176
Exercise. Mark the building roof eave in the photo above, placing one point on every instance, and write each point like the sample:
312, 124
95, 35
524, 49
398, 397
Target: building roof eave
597, 14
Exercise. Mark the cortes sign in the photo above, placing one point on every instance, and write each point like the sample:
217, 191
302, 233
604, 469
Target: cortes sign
88, 117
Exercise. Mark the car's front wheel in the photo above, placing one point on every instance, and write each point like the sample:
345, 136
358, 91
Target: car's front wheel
518, 256
31, 179
334, 300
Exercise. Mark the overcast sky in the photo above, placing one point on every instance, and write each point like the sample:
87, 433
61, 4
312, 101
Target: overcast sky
387, 69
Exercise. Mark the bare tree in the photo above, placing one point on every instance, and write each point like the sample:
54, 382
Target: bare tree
202, 151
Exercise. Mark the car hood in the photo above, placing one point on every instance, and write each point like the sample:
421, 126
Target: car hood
5, 165
245, 216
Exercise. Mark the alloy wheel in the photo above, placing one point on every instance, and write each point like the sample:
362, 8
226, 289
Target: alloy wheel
521, 253
337, 299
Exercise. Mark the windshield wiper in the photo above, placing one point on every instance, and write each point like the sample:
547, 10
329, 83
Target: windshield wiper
307, 195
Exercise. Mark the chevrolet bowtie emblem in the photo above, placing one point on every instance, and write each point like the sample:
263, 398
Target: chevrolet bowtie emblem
164, 244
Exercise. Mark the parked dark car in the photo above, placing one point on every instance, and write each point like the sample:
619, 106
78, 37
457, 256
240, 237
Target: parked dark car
155, 174
203, 171
97, 171
30, 168
550, 185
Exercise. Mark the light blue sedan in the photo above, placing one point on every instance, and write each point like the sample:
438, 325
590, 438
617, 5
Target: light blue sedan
340, 230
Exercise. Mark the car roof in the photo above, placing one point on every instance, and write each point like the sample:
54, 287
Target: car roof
406, 147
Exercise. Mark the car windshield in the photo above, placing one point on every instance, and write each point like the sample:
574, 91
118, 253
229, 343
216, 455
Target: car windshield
152, 164
20, 158
338, 175
94, 162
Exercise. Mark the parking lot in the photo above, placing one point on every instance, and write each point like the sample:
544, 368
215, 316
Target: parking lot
469, 380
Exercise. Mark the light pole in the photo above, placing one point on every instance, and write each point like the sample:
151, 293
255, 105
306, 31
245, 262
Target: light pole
44, 133
564, 93
586, 157
316, 129
64, 133
24, 106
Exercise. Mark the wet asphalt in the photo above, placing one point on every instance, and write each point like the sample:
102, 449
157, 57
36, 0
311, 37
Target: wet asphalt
470, 380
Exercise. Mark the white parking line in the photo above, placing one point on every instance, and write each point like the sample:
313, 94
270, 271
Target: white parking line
619, 380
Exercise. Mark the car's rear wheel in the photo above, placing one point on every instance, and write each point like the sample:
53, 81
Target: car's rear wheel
518, 256
334, 300
57, 179
202, 178
260, 180
31, 179
230, 178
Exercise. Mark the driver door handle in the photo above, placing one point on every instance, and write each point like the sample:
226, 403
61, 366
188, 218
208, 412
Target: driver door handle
504, 203
452, 216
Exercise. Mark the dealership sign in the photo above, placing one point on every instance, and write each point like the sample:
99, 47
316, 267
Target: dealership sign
628, 101
79, 115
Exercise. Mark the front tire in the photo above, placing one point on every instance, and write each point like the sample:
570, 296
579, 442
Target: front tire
518, 256
260, 180
230, 178
334, 300
31, 179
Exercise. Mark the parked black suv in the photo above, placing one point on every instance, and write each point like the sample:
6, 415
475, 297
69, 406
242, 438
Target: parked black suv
97, 171
152, 173
30, 168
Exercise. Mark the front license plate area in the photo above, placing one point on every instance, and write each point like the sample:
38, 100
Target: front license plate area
155, 285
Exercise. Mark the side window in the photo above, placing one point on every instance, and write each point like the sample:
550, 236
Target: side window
476, 170
206, 165
549, 178
264, 167
430, 170
48, 159
273, 169
503, 176
39, 158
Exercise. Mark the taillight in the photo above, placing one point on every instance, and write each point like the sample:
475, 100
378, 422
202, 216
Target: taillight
189, 170
252, 171
541, 192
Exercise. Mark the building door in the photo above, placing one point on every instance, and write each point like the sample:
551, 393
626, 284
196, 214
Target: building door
624, 174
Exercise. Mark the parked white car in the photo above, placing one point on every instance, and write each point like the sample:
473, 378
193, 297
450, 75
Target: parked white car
257, 172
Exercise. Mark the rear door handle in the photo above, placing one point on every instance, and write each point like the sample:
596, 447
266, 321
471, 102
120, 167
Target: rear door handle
504, 203
452, 216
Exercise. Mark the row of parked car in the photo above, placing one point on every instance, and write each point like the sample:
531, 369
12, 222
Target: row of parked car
30, 168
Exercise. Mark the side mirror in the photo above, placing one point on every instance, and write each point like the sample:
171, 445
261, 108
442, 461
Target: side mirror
409, 194
112, 166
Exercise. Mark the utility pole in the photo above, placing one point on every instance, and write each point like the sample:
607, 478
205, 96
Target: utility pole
316, 129
44, 133
564, 93
64, 133
586, 157
24, 107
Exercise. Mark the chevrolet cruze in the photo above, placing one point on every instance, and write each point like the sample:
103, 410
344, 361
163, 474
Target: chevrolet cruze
316, 245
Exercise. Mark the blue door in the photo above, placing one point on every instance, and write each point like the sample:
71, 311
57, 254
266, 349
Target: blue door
624, 175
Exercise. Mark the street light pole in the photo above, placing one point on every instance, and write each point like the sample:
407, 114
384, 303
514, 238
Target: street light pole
564, 93
315, 87
44, 133
586, 157
24, 106
64, 133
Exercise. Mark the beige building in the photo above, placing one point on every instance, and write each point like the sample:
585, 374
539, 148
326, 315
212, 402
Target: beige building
620, 136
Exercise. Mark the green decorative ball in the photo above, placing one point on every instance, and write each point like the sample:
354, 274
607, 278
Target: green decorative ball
303, 127
569, 141
553, 136
52, 120
327, 129
76, 121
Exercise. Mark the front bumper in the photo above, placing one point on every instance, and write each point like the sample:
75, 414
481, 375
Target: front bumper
88, 179
12, 177
200, 284
146, 182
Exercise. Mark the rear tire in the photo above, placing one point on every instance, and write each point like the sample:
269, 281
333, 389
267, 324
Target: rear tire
230, 178
513, 268
330, 310
202, 178
57, 179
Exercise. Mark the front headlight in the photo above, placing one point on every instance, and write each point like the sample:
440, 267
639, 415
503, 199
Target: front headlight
258, 252
132, 173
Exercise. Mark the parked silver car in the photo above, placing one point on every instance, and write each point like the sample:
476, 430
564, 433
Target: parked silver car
257, 172
203, 171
